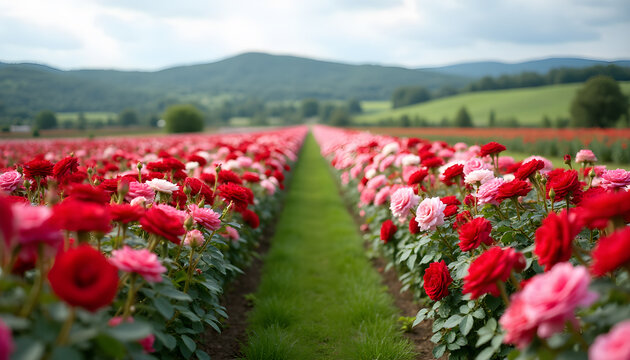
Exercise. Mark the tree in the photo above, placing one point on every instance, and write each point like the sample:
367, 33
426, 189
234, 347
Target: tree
183, 118
81, 121
340, 117
354, 106
599, 103
463, 119
46, 120
128, 117
492, 119
309, 108
409, 95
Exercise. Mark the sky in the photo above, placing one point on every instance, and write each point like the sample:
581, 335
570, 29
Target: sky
155, 34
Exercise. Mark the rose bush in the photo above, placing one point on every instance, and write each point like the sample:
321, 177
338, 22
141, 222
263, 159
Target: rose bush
123, 248
508, 259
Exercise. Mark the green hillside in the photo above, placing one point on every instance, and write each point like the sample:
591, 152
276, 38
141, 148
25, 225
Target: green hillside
527, 105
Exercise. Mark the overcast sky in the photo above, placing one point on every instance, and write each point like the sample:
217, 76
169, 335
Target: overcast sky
154, 34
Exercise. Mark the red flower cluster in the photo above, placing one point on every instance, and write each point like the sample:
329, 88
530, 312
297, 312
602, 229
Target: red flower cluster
491, 148
512, 189
494, 265
611, 252
82, 216
436, 280
554, 239
157, 221
528, 169
564, 183
473, 233
238, 195
37, 168
388, 229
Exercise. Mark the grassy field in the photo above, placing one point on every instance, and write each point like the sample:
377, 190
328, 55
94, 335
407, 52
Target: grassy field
320, 298
527, 105
91, 117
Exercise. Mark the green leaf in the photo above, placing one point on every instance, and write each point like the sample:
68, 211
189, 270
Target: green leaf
426, 259
452, 321
484, 338
164, 307
167, 340
65, 353
466, 325
439, 350
130, 331
202, 355
436, 337
420, 316
496, 341
485, 354
190, 344
479, 314
451, 337
28, 349
175, 294
109, 346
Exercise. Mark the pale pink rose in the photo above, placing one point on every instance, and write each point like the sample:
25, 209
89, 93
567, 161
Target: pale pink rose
163, 186
402, 201
460, 146
362, 213
519, 330
194, 238
206, 217
615, 179
408, 170
376, 182
356, 171
430, 213
172, 211
390, 148
268, 186
410, 160
10, 180
552, 297
381, 196
548, 164
474, 149
445, 153
370, 171
139, 201
345, 178
386, 162
6, 342
487, 193
244, 161
585, 155
475, 164
35, 226
364, 227
367, 196
505, 162
137, 189
612, 346
231, 233
479, 176
142, 262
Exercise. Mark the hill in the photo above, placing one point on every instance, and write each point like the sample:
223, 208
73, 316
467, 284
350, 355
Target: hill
494, 68
33, 87
528, 105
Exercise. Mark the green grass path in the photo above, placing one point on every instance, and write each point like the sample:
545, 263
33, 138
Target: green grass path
319, 296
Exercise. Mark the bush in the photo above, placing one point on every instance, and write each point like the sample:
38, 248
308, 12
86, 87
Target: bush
600, 103
183, 118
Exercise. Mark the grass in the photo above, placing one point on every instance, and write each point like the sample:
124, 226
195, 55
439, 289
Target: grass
528, 105
90, 117
558, 161
319, 296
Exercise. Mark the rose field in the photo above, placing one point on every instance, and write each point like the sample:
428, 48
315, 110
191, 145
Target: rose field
137, 247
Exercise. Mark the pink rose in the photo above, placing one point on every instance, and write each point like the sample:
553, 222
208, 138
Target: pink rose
10, 181
505, 162
355, 171
519, 329
585, 155
231, 233
34, 226
367, 196
142, 262
268, 186
137, 189
615, 179
475, 164
381, 196
430, 213
487, 193
194, 238
402, 201
386, 162
6, 342
376, 182
163, 186
207, 218
612, 346
479, 176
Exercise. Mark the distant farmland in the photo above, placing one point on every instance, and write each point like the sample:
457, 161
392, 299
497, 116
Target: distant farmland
527, 105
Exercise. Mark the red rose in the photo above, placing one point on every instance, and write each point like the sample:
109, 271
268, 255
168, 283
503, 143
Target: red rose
278, 175
157, 221
564, 183
413, 226
227, 176
251, 218
436, 280
388, 229
89, 193
432, 162
496, 264
417, 177
83, 277
77, 215
611, 252
126, 213
65, 167
7, 224
251, 177
462, 218
173, 164
491, 148
512, 168
512, 189
208, 178
451, 173
37, 168
198, 159
473, 233
554, 239
238, 195
598, 210
528, 169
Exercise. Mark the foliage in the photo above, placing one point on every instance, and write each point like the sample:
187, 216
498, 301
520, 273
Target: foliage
600, 103
409, 95
340, 117
46, 119
183, 118
128, 117
309, 108
463, 119
354, 106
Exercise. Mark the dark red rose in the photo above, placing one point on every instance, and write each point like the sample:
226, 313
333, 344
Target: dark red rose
159, 222
198, 159
7, 225
413, 226
567, 159
178, 199
198, 187
126, 213
611, 252
510, 169
388, 229
462, 218
157, 166
564, 183
496, 264
512, 189
436, 280
554, 238
598, 210
89, 193
235, 194
173, 164
278, 175
83, 277
491, 148
251, 177
473, 233
227, 176
451, 173
179, 175
65, 167
451, 203
208, 178
77, 215
37, 168
251, 218
417, 177
470, 200
528, 169
110, 186
432, 162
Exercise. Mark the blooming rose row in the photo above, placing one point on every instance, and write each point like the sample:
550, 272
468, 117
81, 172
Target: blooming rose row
518, 251
136, 236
